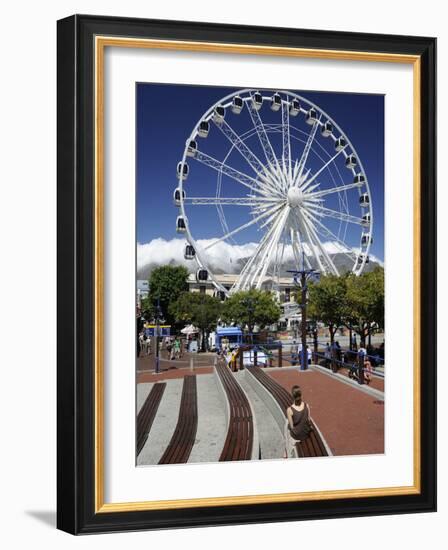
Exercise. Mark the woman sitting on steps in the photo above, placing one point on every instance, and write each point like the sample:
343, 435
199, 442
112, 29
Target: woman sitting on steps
297, 426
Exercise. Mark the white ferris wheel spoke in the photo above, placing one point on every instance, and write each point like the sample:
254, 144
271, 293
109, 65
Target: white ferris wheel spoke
232, 173
247, 269
271, 212
325, 192
324, 253
253, 161
262, 134
275, 183
297, 248
267, 256
306, 152
321, 169
286, 140
296, 241
231, 201
328, 212
256, 210
313, 246
279, 262
328, 233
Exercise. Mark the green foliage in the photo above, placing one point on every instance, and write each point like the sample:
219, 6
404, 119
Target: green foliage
365, 301
166, 283
201, 310
356, 302
251, 307
148, 309
327, 302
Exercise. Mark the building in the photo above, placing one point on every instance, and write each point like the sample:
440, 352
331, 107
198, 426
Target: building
286, 290
142, 291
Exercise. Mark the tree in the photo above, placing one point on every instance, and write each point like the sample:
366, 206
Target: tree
365, 302
327, 302
201, 310
166, 283
251, 307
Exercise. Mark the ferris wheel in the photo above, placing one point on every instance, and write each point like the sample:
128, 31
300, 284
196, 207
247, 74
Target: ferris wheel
271, 171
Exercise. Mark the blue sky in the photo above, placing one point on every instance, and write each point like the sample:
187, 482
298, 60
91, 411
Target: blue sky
167, 113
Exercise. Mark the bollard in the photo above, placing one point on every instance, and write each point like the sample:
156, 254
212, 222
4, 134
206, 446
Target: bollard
280, 356
241, 354
191, 364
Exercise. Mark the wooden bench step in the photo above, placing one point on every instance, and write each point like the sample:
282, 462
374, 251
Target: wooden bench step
147, 413
313, 444
240, 433
182, 441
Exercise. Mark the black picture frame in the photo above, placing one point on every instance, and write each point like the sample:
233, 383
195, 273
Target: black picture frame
76, 512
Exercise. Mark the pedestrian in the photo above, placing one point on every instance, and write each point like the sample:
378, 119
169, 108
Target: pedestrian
367, 371
297, 425
181, 344
327, 355
169, 348
338, 351
354, 343
362, 354
177, 348
141, 347
309, 354
294, 353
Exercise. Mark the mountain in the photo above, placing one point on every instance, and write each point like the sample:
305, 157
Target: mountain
235, 265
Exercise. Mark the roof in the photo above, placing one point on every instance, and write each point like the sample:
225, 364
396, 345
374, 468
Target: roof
220, 331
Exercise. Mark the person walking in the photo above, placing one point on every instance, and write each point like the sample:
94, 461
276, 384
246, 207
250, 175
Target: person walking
169, 349
297, 426
176, 348
338, 351
327, 355
362, 354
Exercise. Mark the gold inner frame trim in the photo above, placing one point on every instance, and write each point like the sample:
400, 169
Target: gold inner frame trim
101, 42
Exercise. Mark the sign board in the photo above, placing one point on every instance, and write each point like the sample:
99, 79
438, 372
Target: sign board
164, 330
142, 285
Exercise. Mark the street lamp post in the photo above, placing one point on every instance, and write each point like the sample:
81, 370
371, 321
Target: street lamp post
158, 317
300, 279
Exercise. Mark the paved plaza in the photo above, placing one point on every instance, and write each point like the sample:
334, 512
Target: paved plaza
349, 416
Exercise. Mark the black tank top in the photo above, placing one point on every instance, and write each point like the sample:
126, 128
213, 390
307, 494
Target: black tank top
300, 420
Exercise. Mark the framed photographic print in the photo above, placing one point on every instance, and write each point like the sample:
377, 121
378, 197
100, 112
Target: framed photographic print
246, 265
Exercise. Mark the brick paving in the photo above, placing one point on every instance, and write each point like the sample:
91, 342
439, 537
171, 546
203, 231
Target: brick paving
178, 368
351, 421
376, 383
144, 377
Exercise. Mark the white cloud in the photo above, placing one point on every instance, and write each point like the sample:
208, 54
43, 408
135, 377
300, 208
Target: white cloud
223, 257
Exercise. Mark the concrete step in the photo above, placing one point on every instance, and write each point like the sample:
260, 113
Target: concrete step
271, 439
164, 423
142, 393
212, 421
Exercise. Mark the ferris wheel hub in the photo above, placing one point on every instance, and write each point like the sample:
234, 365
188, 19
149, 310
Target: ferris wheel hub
295, 197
